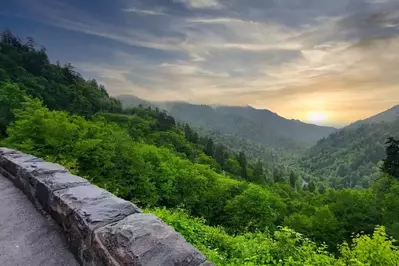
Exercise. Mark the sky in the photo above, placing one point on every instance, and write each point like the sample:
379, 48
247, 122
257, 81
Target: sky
324, 61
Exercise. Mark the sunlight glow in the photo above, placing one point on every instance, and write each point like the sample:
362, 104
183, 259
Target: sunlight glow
317, 117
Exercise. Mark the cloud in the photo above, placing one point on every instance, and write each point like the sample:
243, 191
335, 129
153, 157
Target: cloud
200, 4
145, 12
65, 16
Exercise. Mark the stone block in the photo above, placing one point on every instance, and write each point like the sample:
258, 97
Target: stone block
144, 240
11, 162
81, 210
46, 185
34, 168
25, 169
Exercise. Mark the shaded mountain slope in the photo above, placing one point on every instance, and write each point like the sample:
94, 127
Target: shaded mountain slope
349, 157
386, 116
261, 126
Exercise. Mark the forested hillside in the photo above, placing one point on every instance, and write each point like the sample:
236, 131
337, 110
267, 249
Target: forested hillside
235, 210
59, 86
270, 156
349, 157
389, 115
260, 126
303, 133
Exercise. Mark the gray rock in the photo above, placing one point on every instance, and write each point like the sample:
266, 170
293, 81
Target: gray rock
144, 240
4, 151
81, 210
8, 175
47, 184
28, 170
24, 169
12, 161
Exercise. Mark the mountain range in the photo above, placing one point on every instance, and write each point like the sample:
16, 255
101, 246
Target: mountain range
258, 125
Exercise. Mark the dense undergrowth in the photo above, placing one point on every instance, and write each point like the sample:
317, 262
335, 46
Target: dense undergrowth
282, 247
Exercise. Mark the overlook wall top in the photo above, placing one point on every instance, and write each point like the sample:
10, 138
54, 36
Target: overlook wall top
101, 229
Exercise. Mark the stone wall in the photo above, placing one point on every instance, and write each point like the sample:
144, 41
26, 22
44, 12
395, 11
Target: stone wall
101, 229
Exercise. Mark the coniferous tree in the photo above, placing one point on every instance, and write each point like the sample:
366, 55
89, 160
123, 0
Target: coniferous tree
311, 186
258, 169
391, 162
221, 155
210, 147
242, 160
293, 179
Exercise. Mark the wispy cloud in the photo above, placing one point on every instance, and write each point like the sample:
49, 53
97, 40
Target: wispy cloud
145, 12
200, 4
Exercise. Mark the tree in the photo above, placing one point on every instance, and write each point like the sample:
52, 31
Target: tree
242, 160
11, 96
221, 155
377, 249
391, 162
278, 175
254, 209
233, 166
311, 186
258, 174
293, 179
321, 188
165, 122
210, 147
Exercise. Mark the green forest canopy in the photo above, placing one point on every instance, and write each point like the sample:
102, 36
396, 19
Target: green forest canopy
349, 157
229, 208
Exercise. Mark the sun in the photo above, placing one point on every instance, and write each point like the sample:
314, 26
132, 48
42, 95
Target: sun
318, 117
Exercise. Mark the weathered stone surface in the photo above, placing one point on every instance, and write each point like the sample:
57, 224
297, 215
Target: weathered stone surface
12, 161
24, 170
47, 184
4, 151
7, 174
144, 240
81, 210
33, 168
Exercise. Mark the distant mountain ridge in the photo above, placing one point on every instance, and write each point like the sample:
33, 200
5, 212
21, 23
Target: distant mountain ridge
259, 125
290, 128
387, 116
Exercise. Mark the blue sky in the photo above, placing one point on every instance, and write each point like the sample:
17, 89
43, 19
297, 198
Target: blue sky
336, 59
